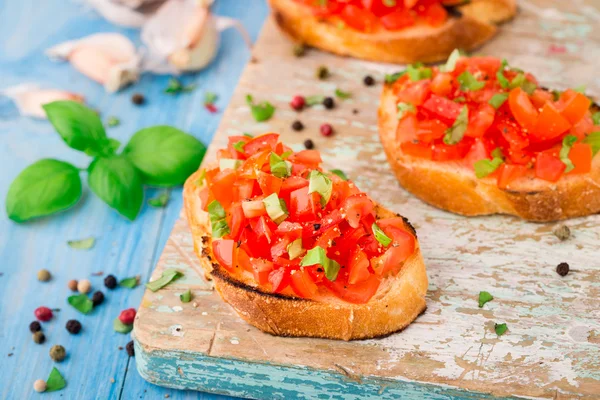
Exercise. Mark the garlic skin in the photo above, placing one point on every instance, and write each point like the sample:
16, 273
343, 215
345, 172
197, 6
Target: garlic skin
129, 13
29, 98
108, 58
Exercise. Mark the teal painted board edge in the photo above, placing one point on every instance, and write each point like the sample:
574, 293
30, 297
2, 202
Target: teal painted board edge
234, 377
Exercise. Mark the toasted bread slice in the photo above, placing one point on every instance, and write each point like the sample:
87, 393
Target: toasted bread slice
472, 25
399, 300
454, 187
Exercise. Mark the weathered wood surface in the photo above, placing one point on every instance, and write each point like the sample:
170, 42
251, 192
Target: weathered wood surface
552, 347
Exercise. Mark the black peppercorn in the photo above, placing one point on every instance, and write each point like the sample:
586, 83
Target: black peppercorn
73, 326
317, 226
368, 80
309, 144
138, 99
328, 103
130, 350
35, 327
562, 269
110, 282
297, 125
97, 298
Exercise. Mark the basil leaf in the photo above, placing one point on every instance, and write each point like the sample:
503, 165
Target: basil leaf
120, 327
112, 122
167, 277
239, 146
456, 132
220, 229
389, 3
339, 173
218, 222
82, 244
79, 126
391, 78
417, 72
164, 155
55, 381
521, 81
186, 296
596, 118
380, 235
160, 201
175, 87
342, 95
484, 297
116, 181
404, 108
451, 62
500, 329
43, 188
504, 83
580, 89
459, 99
567, 143
593, 139
317, 255
130, 282
279, 167
498, 99
314, 100
81, 302
262, 111
320, 183
485, 167
468, 82
276, 208
210, 98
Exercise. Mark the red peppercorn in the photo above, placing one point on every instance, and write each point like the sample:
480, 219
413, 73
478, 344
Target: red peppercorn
43, 313
326, 130
127, 316
297, 103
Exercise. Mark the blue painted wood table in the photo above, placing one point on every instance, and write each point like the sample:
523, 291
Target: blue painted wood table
96, 367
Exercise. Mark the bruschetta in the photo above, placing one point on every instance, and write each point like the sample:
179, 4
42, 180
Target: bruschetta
478, 136
300, 251
394, 31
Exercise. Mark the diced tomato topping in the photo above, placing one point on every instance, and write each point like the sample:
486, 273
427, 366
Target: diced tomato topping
397, 20
358, 267
550, 124
261, 270
480, 120
223, 251
355, 207
508, 173
442, 84
407, 128
443, 108
573, 105
304, 206
414, 93
548, 166
260, 143
417, 149
359, 18
581, 156
268, 183
358, 293
303, 284
522, 109
279, 279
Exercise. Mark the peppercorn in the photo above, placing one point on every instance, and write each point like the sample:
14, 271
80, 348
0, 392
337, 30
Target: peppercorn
130, 349
308, 144
138, 99
39, 337
322, 72
299, 49
127, 316
72, 285
58, 353
43, 314
355, 111
84, 286
297, 125
43, 275
562, 269
97, 298
368, 80
297, 103
110, 282
39, 385
328, 103
326, 130
73, 326
35, 327
562, 232
317, 226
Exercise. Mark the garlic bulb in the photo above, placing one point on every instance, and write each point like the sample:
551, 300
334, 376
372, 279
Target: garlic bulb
29, 98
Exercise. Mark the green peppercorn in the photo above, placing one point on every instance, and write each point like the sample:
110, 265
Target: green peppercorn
299, 49
43, 275
39, 337
562, 232
58, 353
322, 72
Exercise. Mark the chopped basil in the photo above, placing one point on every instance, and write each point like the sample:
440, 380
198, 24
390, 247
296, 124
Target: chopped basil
456, 132
504, 83
201, 178
389, 3
484, 297
81, 302
314, 100
120, 327
485, 167
567, 143
295, 249
279, 167
460, 99
593, 139
218, 223
380, 235
339, 173
581, 89
404, 108
210, 98
469, 82
498, 99
555, 95
500, 329
417, 72
175, 87
248, 135
320, 183
160, 201
186, 296
596, 118
286, 154
317, 255
167, 277
55, 381
82, 244
220, 229
113, 121
262, 111
342, 95
276, 208
239, 146
391, 78
451, 62
130, 282
521, 81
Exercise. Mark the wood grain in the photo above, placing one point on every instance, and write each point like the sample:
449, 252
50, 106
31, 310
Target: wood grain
551, 349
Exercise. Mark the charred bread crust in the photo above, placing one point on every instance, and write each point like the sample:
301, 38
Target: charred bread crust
454, 187
398, 302
467, 28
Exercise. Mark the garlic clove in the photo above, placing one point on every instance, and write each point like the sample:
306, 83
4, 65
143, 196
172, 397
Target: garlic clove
108, 58
29, 98
130, 13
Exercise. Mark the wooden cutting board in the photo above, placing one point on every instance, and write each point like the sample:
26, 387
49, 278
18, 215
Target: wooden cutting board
552, 347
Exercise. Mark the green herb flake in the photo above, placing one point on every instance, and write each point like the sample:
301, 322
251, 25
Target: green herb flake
339, 173
276, 208
417, 72
262, 111
460, 99
160, 201
218, 223
380, 235
484, 297
81, 302
389, 3
342, 95
279, 167
120, 327
322, 72
55, 381
391, 78
485, 167
248, 135
130, 282
456, 132
318, 256
498, 99
504, 83
239, 146
469, 83
320, 183
210, 98
186, 296
500, 329
404, 108
580, 89
567, 144
593, 139
167, 277
314, 100
451, 62
113, 121
175, 86
286, 154
596, 118
82, 244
